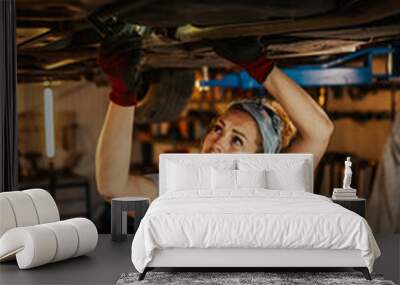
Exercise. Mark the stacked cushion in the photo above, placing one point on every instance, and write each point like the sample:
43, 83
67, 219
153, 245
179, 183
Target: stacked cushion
45, 205
41, 244
26, 208
7, 218
31, 231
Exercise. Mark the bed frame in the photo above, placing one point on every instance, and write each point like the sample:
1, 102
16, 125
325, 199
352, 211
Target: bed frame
249, 258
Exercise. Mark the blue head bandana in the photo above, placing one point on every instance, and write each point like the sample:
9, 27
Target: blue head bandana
268, 122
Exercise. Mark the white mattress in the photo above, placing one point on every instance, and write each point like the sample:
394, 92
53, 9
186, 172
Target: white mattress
258, 219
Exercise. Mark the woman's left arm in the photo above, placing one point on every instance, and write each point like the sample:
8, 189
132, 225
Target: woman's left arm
313, 125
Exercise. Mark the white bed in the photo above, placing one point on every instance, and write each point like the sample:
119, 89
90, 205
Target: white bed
249, 227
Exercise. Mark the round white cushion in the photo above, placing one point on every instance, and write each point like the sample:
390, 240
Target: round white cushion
67, 239
23, 208
33, 246
87, 234
41, 244
45, 205
7, 218
26, 208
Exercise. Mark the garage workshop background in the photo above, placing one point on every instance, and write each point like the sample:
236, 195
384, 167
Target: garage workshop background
362, 127
364, 117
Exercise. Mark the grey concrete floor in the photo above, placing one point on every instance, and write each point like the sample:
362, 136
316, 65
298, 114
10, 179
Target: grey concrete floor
389, 262
102, 266
110, 260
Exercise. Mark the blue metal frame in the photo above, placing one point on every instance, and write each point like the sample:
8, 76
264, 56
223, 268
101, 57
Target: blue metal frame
326, 74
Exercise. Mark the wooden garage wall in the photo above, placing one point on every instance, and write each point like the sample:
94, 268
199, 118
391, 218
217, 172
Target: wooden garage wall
82, 102
365, 139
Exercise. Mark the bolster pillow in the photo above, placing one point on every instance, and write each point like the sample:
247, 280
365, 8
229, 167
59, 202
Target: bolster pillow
40, 244
26, 208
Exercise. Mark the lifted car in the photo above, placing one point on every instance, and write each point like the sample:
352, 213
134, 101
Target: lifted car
56, 40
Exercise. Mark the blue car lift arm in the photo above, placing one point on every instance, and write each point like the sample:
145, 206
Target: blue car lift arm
326, 74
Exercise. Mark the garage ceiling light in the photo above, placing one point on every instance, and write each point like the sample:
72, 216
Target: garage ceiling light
26, 34
49, 121
59, 63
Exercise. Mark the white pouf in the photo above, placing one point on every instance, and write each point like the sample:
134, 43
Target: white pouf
40, 244
7, 218
33, 246
67, 240
23, 208
31, 230
45, 205
87, 234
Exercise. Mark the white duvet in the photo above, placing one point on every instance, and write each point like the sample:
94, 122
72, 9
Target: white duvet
250, 219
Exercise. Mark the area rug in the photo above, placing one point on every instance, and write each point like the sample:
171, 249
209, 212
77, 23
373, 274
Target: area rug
243, 278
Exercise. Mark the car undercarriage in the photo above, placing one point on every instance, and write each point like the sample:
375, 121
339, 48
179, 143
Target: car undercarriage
56, 40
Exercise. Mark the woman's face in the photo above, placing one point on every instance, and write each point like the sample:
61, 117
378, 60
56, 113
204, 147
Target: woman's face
235, 131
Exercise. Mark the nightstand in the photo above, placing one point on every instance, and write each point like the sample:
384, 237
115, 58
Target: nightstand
357, 205
119, 214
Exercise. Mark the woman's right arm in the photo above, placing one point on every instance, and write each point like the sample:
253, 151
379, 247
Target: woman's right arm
113, 155
119, 57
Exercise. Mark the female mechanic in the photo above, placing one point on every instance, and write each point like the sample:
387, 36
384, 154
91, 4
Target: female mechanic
247, 126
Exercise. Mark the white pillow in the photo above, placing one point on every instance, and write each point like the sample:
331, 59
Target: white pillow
223, 179
251, 178
227, 179
294, 180
181, 177
281, 175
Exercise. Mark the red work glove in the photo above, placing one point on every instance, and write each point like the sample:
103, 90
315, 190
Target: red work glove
119, 59
248, 53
